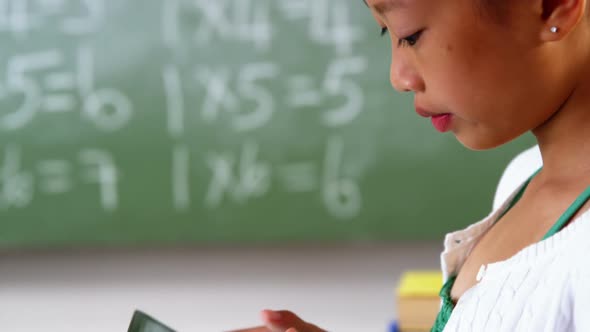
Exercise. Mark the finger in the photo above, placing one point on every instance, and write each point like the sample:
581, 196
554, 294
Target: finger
273, 320
253, 329
280, 321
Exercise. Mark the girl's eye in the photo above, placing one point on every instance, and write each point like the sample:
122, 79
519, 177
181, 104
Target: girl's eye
410, 40
383, 31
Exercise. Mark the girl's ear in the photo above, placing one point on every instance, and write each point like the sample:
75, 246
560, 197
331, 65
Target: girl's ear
560, 17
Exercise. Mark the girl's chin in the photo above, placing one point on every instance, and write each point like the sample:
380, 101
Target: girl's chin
479, 142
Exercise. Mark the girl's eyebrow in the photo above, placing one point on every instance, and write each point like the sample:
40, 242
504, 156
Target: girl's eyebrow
384, 6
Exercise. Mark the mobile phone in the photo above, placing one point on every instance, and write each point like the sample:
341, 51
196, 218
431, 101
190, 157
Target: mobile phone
142, 322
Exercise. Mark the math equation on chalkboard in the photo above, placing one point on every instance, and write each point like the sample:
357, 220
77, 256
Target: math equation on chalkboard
145, 113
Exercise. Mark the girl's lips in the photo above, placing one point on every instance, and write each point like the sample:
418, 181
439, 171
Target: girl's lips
424, 113
442, 122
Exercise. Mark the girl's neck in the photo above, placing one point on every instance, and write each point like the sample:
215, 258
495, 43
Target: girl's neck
564, 139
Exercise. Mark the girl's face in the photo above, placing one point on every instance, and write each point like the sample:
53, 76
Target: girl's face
497, 78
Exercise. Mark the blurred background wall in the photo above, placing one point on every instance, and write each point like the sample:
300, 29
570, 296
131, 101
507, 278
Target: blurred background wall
341, 288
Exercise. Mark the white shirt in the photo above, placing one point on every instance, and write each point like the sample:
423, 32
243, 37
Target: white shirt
543, 287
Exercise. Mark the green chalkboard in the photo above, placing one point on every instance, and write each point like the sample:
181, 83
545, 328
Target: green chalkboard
144, 122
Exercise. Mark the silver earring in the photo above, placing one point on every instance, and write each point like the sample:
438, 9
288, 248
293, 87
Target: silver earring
554, 29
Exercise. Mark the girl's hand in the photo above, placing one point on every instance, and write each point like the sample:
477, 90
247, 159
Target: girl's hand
282, 321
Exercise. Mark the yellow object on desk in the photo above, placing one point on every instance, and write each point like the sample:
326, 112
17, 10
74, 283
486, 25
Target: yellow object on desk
418, 301
420, 283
